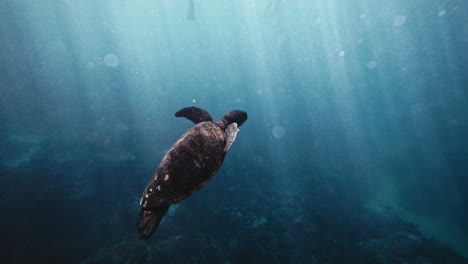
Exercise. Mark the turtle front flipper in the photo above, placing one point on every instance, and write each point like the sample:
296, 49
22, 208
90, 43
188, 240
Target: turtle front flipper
194, 114
231, 133
149, 220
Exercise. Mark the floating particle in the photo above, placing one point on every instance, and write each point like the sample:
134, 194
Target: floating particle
280, 39
111, 60
278, 131
372, 64
342, 53
441, 13
259, 91
399, 21
194, 101
90, 65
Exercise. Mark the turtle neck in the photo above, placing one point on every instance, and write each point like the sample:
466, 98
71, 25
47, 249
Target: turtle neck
223, 123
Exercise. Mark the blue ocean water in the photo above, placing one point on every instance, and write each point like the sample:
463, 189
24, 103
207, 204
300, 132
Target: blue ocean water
355, 150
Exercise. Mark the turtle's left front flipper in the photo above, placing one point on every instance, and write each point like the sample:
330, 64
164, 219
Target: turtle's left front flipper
194, 114
231, 133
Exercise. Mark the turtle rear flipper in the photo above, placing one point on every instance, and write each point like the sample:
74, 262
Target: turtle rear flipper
194, 114
149, 220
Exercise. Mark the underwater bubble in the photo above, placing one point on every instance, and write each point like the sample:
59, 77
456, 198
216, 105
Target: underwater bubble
111, 60
399, 21
280, 39
441, 13
259, 91
372, 64
342, 53
90, 65
278, 131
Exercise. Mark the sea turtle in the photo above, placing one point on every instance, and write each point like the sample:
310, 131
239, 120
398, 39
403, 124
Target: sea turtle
188, 165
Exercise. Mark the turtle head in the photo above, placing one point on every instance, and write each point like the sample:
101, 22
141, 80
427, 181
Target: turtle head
235, 116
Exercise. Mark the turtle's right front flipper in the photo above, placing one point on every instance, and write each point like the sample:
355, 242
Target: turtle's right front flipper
231, 133
194, 114
149, 220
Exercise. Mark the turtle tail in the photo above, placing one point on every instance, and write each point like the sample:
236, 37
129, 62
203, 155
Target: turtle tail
149, 219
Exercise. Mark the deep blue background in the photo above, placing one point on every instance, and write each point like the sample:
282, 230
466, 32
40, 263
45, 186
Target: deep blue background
355, 149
